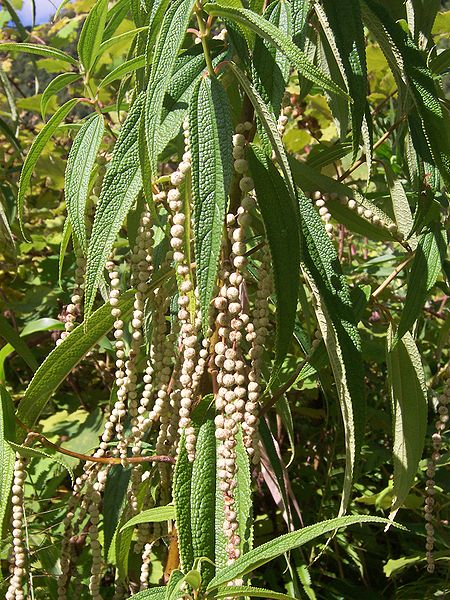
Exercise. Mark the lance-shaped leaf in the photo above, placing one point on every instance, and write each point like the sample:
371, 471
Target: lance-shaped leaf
270, 126
251, 592
64, 358
409, 412
203, 490
123, 69
243, 496
300, 24
337, 322
434, 120
35, 151
14, 339
284, 543
7, 454
55, 86
212, 167
182, 481
121, 185
92, 33
156, 593
168, 44
428, 261
272, 34
271, 67
281, 220
40, 50
158, 514
80, 163
345, 22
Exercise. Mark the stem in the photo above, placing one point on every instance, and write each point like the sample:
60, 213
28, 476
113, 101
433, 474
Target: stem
98, 459
203, 36
392, 276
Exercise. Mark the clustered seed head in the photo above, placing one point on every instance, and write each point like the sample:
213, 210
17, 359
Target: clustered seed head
74, 308
441, 423
18, 556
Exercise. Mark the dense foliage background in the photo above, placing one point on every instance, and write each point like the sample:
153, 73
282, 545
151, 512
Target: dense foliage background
301, 480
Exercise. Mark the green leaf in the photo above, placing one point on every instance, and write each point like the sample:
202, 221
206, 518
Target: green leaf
272, 34
300, 9
284, 543
337, 323
123, 69
35, 151
12, 337
271, 67
156, 593
121, 185
212, 167
408, 393
9, 134
281, 221
55, 86
40, 50
152, 515
346, 24
65, 357
7, 454
114, 503
203, 489
434, 119
91, 34
252, 592
119, 39
80, 163
428, 261
168, 44
174, 585
269, 124
182, 479
65, 239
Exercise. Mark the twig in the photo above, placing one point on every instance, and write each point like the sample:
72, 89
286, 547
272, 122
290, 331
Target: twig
392, 276
98, 459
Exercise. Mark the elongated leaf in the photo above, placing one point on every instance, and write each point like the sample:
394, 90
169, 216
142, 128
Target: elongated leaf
284, 543
182, 479
7, 242
91, 34
168, 44
7, 454
270, 126
119, 39
9, 135
156, 593
203, 489
345, 21
402, 210
272, 34
408, 393
252, 592
80, 163
64, 358
212, 168
35, 151
152, 515
434, 120
300, 24
12, 337
121, 185
123, 69
428, 260
65, 239
55, 86
114, 502
337, 323
281, 220
271, 67
40, 50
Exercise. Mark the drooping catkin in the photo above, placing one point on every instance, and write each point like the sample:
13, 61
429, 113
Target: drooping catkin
18, 554
437, 440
